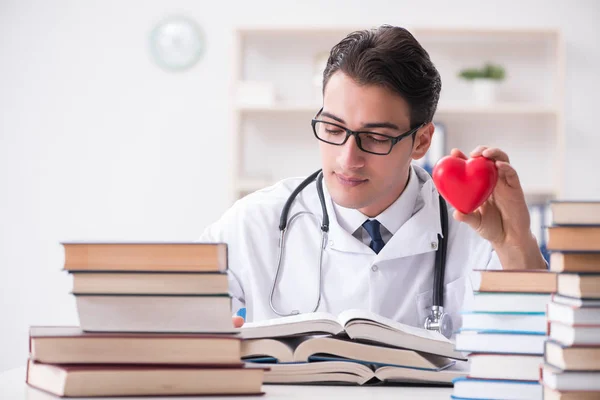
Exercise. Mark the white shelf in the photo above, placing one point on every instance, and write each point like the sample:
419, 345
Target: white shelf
528, 123
500, 108
464, 109
282, 108
534, 195
509, 33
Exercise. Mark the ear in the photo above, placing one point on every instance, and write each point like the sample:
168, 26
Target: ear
422, 141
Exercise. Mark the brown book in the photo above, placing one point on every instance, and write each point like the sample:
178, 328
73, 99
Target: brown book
575, 262
71, 345
154, 313
574, 238
585, 286
551, 394
521, 281
142, 380
151, 257
575, 212
149, 283
576, 358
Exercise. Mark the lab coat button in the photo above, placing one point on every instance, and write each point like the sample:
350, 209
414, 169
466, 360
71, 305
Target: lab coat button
330, 243
434, 245
374, 268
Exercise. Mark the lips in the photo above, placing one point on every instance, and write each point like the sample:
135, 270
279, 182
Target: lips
349, 180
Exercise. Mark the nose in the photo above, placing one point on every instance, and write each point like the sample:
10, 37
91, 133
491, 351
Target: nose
350, 156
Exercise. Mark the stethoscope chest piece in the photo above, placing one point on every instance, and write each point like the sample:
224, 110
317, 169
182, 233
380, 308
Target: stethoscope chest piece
439, 321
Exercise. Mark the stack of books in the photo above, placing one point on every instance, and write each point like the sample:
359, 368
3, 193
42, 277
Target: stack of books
155, 319
504, 331
357, 347
572, 352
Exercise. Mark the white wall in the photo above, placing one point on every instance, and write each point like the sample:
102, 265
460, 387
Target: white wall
98, 143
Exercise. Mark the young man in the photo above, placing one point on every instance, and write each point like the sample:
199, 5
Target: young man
380, 95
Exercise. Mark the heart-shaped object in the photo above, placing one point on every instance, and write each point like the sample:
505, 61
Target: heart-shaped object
466, 184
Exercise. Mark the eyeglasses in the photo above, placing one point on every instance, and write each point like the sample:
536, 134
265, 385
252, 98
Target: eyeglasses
369, 142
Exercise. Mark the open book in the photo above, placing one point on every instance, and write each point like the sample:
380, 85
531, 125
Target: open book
360, 374
324, 348
358, 325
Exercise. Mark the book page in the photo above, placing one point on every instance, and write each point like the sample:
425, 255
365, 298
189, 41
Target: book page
355, 314
318, 322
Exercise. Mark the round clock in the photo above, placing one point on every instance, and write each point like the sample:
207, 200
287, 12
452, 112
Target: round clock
177, 43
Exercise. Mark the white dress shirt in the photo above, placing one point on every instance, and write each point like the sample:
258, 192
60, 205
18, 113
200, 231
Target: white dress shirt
391, 219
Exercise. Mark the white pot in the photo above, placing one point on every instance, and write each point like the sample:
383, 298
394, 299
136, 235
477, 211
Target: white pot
484, 91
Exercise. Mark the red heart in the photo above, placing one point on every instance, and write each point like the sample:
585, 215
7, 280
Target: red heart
466, 184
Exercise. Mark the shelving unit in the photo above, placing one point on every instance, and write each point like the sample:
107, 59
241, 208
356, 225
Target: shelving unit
275, 141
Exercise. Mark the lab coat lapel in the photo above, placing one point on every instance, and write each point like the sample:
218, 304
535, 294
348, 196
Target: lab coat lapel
420, 233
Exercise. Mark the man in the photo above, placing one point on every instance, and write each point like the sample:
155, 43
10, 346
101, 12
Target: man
380, 93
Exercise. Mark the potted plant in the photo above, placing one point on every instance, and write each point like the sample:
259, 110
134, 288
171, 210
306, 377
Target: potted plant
484, 81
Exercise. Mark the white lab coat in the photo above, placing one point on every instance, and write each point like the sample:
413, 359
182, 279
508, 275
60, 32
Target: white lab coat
396, 283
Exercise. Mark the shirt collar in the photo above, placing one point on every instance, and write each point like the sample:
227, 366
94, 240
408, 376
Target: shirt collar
392, 218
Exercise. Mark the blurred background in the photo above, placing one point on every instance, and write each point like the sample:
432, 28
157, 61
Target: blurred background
146, 120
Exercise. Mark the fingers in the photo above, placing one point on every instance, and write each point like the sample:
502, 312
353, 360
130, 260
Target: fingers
492, 153
508, 174
237, 321
458, 153
473, 219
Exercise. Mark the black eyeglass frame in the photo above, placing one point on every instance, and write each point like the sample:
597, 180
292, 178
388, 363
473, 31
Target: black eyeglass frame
350, 132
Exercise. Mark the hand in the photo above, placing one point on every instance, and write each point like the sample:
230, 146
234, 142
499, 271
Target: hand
503, 219
504, 216
239, 318
237, 321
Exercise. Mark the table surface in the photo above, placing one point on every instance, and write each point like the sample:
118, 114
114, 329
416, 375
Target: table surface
13, 387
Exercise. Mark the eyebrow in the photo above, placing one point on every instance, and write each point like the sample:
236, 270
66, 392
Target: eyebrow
370, 125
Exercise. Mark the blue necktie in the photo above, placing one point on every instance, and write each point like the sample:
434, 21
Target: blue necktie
372, 228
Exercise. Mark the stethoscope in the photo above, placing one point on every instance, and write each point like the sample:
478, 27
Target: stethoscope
438, 320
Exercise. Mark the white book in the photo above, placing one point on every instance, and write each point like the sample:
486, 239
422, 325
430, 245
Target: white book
501, 343
505, 322
557, 379
575, 301
155, 313
573, 315
319, 348
496, 389
575, 335
509, 302
359, 374
357, 324
506, 366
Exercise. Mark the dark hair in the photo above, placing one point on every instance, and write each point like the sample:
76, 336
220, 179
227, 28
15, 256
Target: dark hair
390, 57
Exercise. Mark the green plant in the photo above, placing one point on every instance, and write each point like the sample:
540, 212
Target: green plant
488, 71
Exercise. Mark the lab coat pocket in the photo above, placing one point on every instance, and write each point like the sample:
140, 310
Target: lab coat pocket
455, 294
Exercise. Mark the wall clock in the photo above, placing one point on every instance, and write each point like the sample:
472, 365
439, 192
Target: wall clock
177, 43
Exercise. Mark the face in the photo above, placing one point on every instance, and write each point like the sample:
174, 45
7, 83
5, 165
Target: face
354, 178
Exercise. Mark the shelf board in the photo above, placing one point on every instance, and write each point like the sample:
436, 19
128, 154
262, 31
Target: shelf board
499, 108
281, 108
341, 30
533, 195
466, 109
